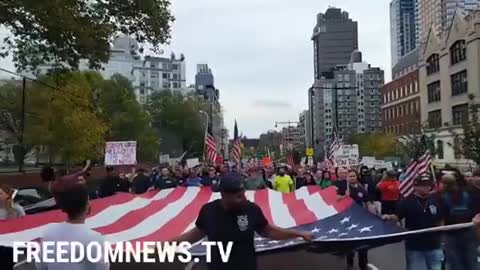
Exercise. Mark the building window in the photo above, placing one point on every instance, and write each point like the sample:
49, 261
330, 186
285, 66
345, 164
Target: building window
154, 75
440, 149
175, 76
166, 75
153, 65
175, 85
433, 64
459, 114
435, 119
142, 91
434, 92
459, 83
458, 52
174, 66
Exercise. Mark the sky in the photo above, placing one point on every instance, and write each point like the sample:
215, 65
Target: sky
261, 53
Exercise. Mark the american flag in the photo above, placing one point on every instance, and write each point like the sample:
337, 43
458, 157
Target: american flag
165, 214
210, 147
336, 143
416, 168
235, 154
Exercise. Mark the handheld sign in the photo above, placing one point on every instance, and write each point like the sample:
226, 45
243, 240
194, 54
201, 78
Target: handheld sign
121, 153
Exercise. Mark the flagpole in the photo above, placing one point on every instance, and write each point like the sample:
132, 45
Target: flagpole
205, 135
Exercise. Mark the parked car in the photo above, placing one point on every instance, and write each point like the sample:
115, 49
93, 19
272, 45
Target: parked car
35, 200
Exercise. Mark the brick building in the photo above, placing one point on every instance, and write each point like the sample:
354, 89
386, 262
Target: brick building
401, 98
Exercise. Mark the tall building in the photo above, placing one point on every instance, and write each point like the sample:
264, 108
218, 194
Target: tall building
304, 124
401, 98
204, 77
205, 84
158, 73
403, 24
205, 87
449, 68
439, 14
348, 102
147, 74
335, 37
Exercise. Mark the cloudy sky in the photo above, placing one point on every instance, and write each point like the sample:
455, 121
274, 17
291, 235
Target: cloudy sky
261, 53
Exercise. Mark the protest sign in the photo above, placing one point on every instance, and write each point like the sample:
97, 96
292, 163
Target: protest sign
346, 155
164, 159
192, 162
121, 153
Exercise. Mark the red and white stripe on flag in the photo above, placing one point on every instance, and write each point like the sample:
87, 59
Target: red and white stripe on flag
236, 151
417, 168
162, 215
210, 149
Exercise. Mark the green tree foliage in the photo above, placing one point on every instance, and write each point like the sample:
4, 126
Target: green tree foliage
415, 145
468, 141
65, 31
65, 118
177, 119
75, 119
127, 119
377, 144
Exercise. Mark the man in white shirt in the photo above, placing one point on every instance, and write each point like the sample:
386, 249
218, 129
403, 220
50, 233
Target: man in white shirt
74, 201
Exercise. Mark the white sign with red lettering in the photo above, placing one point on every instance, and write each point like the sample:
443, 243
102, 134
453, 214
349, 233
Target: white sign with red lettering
121, 153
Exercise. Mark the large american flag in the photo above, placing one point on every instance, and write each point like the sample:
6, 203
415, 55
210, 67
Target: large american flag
210, 147
235, 154
162, 215
416, 168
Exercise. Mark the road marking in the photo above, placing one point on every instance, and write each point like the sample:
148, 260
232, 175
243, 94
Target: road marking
373, 267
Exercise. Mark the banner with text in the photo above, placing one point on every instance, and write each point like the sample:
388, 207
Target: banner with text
121, 153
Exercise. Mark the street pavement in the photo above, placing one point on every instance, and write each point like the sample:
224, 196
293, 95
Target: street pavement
389, 257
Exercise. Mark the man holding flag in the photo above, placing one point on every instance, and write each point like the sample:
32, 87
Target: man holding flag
421, 209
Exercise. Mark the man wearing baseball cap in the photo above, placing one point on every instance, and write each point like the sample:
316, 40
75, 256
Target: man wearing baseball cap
234, 218
421, 210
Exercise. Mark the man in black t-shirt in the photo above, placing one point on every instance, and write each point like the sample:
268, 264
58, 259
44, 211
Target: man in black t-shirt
421, 210
234, 218
110, 185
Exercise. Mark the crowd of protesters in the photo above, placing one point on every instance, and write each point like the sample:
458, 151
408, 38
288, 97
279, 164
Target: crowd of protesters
447, 197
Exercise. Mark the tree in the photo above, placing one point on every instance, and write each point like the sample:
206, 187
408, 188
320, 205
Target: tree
178, 120
127, 119
414, 145
468, 142
377, 144
64, 31
66, 119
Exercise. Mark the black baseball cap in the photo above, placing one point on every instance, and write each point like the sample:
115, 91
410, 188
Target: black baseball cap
231, 183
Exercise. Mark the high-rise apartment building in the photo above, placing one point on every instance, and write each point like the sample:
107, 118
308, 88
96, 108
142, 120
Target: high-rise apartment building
439, 14
348, 102
158, 73
335, 37
403, 28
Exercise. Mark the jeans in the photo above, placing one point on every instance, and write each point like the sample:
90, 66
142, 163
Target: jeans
362, 259
424, 260
461, 250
